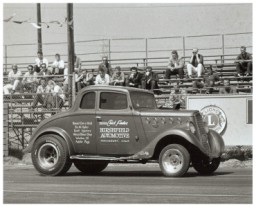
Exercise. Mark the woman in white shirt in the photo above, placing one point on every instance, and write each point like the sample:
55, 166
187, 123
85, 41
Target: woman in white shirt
102, 78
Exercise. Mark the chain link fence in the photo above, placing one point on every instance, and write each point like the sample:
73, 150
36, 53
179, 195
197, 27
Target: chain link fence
27, 104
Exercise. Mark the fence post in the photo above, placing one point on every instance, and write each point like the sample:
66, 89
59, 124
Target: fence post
146, 51
223, 48
109, 50
5, 131
184, 47
5, 54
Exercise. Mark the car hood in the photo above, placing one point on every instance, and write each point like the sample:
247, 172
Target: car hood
167, 112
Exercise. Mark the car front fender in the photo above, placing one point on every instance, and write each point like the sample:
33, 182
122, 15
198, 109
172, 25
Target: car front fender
52, 130
148, 151
216, 143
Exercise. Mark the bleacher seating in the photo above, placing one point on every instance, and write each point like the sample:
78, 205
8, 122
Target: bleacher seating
22, 120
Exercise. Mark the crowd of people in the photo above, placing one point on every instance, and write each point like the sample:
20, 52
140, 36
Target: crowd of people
38, 78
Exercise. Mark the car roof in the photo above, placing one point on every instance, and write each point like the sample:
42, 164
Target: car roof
113, 88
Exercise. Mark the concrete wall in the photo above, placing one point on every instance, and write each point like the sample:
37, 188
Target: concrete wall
237, 114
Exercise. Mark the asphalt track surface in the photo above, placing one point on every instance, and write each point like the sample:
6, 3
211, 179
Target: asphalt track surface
127, 184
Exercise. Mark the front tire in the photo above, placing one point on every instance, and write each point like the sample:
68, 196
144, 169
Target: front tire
174, 160
50, 155
205, 167
90, 166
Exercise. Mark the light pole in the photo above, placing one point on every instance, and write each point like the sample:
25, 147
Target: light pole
70, 32
39, 31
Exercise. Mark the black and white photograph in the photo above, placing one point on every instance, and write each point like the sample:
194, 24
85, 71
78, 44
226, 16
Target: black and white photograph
139, 102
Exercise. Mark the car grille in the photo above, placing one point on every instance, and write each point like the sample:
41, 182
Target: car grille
201, 132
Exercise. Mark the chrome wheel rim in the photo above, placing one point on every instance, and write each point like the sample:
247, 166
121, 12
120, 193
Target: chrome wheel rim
48, 155
173, 161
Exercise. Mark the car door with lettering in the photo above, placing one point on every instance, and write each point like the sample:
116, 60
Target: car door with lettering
115, 126
82, 126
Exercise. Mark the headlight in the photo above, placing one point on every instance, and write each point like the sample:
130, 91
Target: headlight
191, 127
206, 128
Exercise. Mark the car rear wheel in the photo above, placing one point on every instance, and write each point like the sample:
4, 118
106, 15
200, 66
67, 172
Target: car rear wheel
50, 155
90, 166
174, 160
206, 167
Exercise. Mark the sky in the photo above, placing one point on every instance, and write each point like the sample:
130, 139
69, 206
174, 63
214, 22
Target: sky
112, 21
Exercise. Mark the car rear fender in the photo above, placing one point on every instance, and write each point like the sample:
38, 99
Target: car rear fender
52, 130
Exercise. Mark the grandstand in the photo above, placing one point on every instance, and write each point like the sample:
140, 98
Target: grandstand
20, 120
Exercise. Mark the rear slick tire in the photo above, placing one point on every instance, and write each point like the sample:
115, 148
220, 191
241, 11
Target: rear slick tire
50, 155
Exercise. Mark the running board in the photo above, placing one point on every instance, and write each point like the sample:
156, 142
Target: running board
93, 157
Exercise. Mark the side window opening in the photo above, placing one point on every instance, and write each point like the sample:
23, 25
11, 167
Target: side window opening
88, 101
113, 101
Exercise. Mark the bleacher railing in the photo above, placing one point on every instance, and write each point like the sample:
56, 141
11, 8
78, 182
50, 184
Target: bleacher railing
140, 52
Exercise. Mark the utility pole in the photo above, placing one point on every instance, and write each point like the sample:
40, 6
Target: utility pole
70, 28
39, 31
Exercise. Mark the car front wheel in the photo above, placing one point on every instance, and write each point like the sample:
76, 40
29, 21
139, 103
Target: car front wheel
50, 155
174, 160
205, 167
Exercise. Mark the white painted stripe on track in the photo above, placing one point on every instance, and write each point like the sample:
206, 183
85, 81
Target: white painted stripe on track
127, 193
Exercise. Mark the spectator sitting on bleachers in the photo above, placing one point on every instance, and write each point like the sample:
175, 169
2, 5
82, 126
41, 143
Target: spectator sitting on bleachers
102, 78
39, 61
118, 77
42, 95
107, 66
77, 63
14, 77
78, 77
196, 64
244, 63
65, 81
177, 97
210, 80
175, 66
44, 71
58, 65
57, 95
84, 79
134, 79
29, 81
149, 79
227, 89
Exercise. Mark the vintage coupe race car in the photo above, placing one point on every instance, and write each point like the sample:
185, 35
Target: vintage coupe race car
122, 124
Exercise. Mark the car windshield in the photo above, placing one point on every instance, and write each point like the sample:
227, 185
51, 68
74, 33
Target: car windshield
143, 100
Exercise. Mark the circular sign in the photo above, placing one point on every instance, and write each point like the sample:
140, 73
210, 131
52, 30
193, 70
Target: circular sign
214, 117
